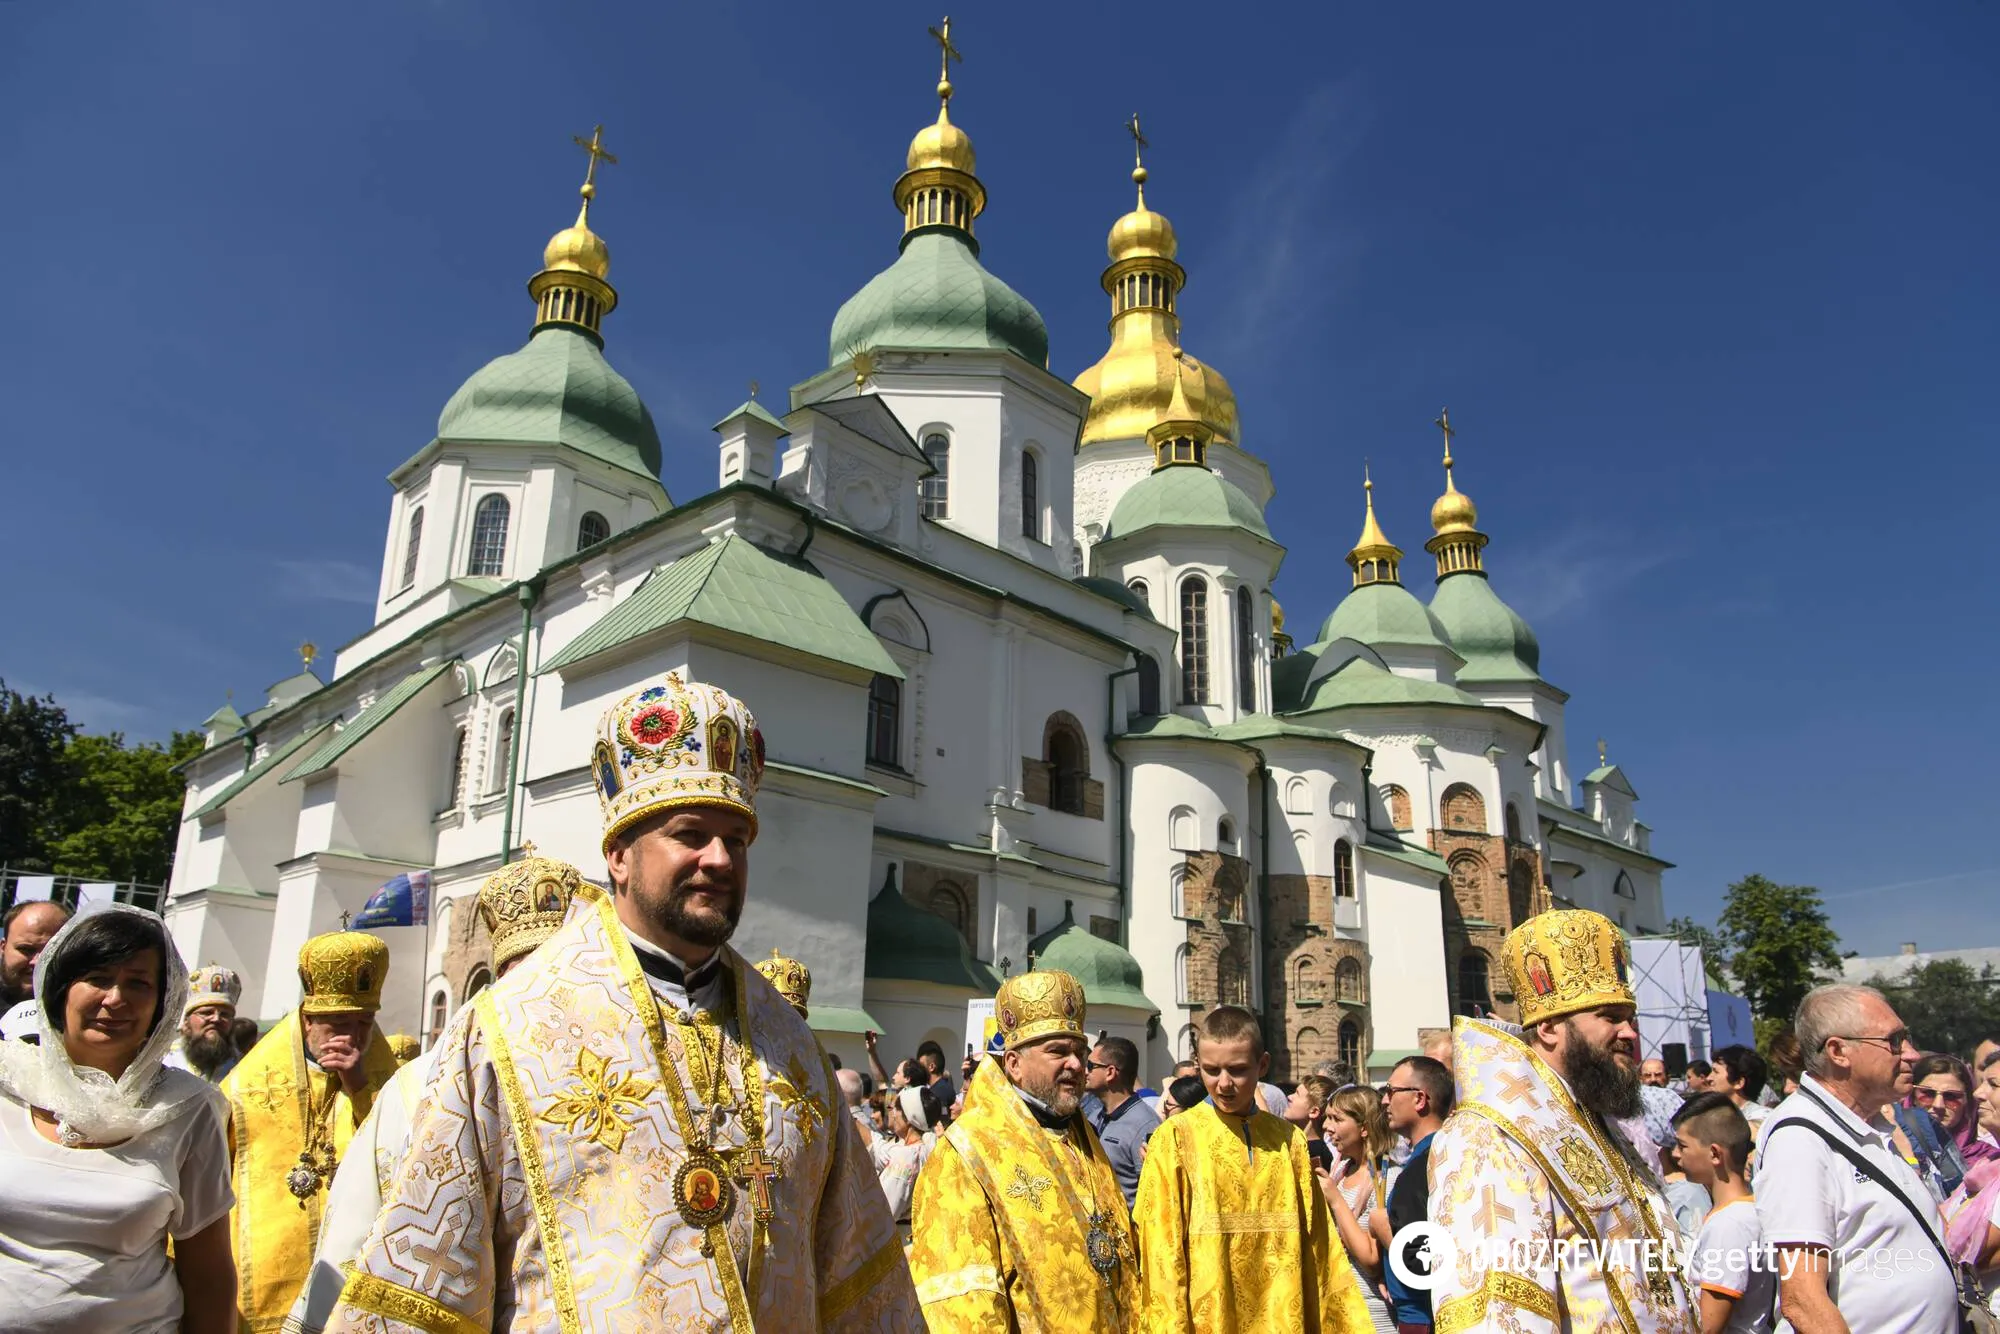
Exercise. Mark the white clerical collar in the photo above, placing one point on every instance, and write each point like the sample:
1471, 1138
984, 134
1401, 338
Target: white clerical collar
671, 978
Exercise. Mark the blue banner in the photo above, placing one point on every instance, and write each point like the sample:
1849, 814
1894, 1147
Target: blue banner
404, 901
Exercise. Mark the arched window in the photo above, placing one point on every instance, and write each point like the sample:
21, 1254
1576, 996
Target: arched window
1622, 887
482, 978
503, 750
1183, 833
1306, 983
1347, 984
1462, 808
1194, 640
1181, 975
1343, 869
1138, 586
411, 545
1225, 834
1031, 504
1176, 890
1067, 754
439, 1014
1468, 884
1149, 685
1302, 844
1246, 652
489, 536
591, 529
1232, 978
1298, 796
1472, 983
885, 721
934, 491
1350, 1044
950, 901
1520, 893
459, 742
1305, 1048
1513, 823
1397, 803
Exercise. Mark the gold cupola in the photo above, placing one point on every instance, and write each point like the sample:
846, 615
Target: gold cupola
1132, 386
571, 290
1454, 518
1375, 559
938, 188
1180, 438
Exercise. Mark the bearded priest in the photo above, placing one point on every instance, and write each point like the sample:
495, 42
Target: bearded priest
633, 1129
1556, 1221
1018, 1221
294, 1103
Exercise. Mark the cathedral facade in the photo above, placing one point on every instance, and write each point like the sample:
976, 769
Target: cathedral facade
1012, 647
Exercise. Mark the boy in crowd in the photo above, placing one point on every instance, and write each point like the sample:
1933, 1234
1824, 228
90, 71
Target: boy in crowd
1733, 1268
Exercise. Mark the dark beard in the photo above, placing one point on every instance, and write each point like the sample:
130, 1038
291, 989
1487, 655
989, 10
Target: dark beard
676, 916
208, 1054
1599, 1082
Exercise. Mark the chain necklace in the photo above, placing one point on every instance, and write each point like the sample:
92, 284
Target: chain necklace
1103, 1242
706, 1184
316, 1159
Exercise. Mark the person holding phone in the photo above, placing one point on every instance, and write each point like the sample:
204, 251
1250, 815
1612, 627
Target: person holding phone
1355, 1184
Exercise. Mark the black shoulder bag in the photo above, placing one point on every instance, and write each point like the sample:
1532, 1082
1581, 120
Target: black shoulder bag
1973, 1316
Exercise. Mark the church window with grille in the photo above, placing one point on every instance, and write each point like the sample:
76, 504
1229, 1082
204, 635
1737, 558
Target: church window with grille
1473, 996
1246, 652
489, 536
1194, 640
1350, 1044
459, 744
503, 750
934, 491
1067, 754
412, 545
885, 721
1031, 505
1343, 869
591, 529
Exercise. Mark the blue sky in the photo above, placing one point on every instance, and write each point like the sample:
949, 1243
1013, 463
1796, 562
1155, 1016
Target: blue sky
1710, 292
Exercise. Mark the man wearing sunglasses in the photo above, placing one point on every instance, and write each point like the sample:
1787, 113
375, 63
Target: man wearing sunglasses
1854, 1227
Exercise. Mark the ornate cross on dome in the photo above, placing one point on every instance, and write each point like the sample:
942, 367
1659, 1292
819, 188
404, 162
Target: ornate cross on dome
1443, 423
1139, 144
594, 146
946, 51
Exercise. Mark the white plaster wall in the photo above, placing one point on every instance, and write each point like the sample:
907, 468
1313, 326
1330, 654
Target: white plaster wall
1404, 917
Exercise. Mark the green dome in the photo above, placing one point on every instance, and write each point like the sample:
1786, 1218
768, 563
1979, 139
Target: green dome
1495, 642
1358, 682
1377, 614
915, 944
938, 295
1185, 496
556, 390
1116, 591
1109, 973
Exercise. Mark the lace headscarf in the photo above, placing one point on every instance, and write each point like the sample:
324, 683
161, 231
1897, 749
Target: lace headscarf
88, 1104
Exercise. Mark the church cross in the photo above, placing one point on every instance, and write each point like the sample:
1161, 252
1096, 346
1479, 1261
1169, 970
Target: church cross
753, 388
594, 146
1491, 1212
1443, 423
437, 1260
1139, 144
345, 918
756, 1172
1600, 752
1516, 1088
946, 51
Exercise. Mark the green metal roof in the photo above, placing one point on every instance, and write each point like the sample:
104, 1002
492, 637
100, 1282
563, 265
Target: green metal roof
1495, 642
1396, 850
751, 408
1168, 726
839, 1019
370, 718
737, 586
1116, 591
225, 720
1185, 496
1257, 727
914, 944
1377, 614
1108, 972
278, 756
938, 295
556, 390
1358, 682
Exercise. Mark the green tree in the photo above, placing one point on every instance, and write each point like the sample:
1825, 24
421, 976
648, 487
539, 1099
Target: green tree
124, 811
1779, 942
1714, 949
34, 775
1946, 1006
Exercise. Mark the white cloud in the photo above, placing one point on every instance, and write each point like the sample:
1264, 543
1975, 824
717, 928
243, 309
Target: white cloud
1578, 569
325, 581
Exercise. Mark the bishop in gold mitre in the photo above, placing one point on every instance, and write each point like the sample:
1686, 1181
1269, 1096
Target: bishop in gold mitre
294, 1103
522, 904
1234, 1234
1534, 1154
1018, 1221
633, 1129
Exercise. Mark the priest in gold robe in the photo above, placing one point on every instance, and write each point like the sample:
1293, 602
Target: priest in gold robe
522, 904
1234, 1234
1555, 1222
294, 1103
1018, 1222
633, 1129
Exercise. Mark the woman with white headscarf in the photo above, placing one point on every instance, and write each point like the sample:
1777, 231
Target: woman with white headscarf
913, 1116
106, 1152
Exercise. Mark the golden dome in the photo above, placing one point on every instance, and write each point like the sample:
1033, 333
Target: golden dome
1372, 537
1142, 233
1454, 511
942, 144
1132, 387
1277, 618
1375, 559
577, 249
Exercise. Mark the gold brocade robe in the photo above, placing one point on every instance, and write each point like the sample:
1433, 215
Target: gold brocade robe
1555, 1223
1235, 1235
1001, 1224
551, 1157
271, 1092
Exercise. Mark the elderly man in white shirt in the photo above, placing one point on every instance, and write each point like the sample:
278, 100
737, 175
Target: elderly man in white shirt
1855, 1255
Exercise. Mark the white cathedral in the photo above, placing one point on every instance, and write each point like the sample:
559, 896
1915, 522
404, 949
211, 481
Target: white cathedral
1011, 643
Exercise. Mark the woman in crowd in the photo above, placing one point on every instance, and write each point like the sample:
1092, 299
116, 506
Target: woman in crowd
108, 1154
1358, 1129
1972, 1214
1945, 1088
1788, 1062
1927, 1122
1182, 1094
915, 1116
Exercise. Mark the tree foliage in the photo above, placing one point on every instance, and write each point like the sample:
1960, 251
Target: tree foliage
1714, 949
1946, 1006
1779, 942
34, 775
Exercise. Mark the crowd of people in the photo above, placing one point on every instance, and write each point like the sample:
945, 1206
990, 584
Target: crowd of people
635, 1128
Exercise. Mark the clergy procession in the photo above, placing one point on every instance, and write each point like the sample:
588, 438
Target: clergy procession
634, 1128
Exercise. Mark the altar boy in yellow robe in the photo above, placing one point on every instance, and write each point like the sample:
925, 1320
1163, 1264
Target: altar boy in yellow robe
1233, 1232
